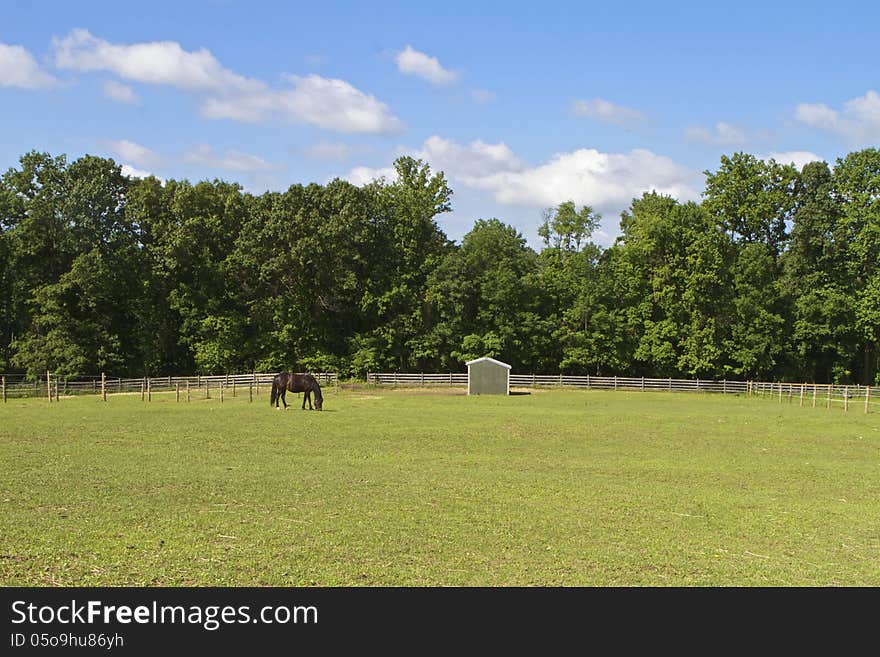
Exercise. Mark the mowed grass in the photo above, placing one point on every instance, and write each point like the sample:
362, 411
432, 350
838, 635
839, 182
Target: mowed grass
429, 488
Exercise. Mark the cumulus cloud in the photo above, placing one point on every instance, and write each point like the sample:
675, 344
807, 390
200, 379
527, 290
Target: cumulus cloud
156, 62
120, 92
471, 162
605, 111
365, 175
133, 172
858, 120
606, 181
413, 62
19, 69
327, 103
723, 134
132, 152
798, 158
232, 160
590, 177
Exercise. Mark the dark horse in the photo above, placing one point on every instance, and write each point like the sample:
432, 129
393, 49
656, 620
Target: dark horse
296, 383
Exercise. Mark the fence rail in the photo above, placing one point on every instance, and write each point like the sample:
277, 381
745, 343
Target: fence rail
805, 394
16, 386
812, 394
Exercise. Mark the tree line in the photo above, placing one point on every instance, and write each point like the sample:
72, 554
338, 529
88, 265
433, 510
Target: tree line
774, 275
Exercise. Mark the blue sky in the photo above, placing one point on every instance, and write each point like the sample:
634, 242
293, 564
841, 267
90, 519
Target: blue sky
522, 105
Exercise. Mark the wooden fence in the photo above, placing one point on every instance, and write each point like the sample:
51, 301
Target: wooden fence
53, 388
804, 394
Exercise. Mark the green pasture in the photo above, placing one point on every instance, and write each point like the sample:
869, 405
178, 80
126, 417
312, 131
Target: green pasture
434, 488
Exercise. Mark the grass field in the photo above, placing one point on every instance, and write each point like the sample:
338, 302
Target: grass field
415, 487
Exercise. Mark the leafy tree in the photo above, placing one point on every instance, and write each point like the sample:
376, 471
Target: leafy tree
857, 187
815, 275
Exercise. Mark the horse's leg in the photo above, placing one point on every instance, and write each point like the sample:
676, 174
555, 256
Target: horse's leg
283, 395
306, 396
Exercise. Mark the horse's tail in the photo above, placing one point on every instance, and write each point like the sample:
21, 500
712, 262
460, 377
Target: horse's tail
274, 396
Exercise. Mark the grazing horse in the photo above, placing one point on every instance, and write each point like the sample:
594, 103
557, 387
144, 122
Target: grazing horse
306, 383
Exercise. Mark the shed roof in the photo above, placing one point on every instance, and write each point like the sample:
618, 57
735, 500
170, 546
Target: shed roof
487, 359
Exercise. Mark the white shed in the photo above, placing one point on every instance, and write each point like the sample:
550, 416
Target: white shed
487, 376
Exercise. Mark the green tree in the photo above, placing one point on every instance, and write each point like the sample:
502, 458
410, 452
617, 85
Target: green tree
815, 275
486, 299
857, 187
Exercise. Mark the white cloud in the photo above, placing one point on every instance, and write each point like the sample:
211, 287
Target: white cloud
364, 175
120, 92
18, 68
482, 96
859, 120
469, 163
232, 160
606, 181
156, 62
590, 177
413, 62
723, 134
797, 158
133, 152
133, 172
327, 103
607, 112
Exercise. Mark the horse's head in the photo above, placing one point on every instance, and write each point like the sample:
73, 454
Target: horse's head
319, 402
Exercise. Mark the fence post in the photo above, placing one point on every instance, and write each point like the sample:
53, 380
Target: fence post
828, 403
846, 398
698, 384
177, 391
251, 391
143, 387
187, 390
149, 389
780, 392
4, 389
615, 382
588, 381
48, 386
814, 395
207, 389
233, 387
670, 384
867, 398
103, 387
221, 392
643, 384
802, 395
